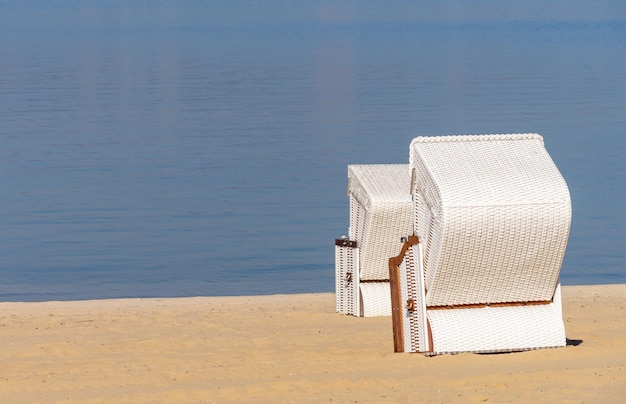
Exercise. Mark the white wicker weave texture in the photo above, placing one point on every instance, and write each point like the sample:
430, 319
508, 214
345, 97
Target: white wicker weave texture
375, 299
494, 212
408, 322
380, 214
346, 282
495, 329
415, 316
499, 328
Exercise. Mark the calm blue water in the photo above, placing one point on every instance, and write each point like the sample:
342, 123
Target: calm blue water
200, 148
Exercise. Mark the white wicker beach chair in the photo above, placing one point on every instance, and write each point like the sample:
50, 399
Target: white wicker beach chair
380, 215
481, 274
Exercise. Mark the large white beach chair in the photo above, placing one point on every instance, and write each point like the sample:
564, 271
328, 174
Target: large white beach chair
481, 274
380, 215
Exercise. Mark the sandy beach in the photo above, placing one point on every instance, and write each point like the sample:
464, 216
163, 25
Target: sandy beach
289, 348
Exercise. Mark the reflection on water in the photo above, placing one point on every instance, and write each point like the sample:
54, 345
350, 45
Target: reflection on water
175, 150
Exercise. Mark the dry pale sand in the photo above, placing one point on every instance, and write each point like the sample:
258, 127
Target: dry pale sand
291, 348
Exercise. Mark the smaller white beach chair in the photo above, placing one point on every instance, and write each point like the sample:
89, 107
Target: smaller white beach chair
481, 273
380, 215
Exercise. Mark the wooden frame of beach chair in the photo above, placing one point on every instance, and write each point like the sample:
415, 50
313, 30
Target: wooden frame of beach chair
380, 214
492, 216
